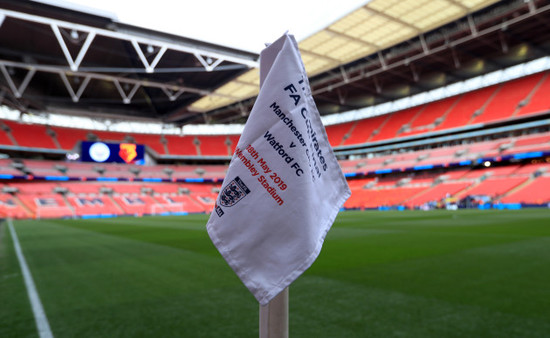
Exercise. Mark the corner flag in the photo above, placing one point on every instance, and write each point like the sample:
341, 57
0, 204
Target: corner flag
284, 186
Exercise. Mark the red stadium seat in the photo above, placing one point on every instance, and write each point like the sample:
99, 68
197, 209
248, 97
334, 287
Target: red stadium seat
539, 102
234, 139
437, 193
181, 145
426, 120
493, 187
393, 125
31, 135
535, 191
11, 207
5, 139
46, 205
214, 145
337, 133
152, 141
68, 138
462, 113
505, 102
363, 130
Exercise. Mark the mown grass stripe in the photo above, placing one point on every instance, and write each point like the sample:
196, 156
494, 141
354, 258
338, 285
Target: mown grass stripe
42, 324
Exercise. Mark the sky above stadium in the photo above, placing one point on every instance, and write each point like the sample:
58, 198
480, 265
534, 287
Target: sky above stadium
241, 24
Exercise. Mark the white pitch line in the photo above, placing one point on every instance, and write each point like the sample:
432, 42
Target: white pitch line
40, 318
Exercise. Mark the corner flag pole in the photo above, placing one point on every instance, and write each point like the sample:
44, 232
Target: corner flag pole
283, 188
274, 317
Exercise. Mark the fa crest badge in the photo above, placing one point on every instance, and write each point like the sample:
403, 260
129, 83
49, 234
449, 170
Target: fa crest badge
233, 192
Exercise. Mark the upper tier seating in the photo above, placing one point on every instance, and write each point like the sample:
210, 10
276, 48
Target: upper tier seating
539, 102
31, 135
337, 133
394, 124
68, 138
432, 115
363, 130
181, 145
516, 98
507, 98
152, 141
109, 136
5, 137
215, 145
467, 105
234, 139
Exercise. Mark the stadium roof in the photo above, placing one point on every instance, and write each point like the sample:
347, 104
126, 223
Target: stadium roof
368, 30
60, 60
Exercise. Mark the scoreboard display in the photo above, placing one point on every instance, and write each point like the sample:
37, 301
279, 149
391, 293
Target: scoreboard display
102, 152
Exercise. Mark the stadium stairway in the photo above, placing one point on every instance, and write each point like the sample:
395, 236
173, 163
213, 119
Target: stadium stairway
31, 135
64, 197
115, 203
5, 135
464, 191
537, 192
507, 98
538, 102
20, 210
437, 193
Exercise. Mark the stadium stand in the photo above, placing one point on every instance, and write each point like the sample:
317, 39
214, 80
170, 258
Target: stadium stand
178, 203
337, 133
490, 104
108, 136
47, 205
6, 168
82, 169
480, 106
385, 197
93, 205
504, 183
30, 135
82, 188
507, 98
437, 193
362, 130
233, 140
534, 192
213, 145
181, 145
5, 136
421, 156
11, 207
69, 138
395, 124
538, 102
466, 107
492, 187
431, 116
155, 142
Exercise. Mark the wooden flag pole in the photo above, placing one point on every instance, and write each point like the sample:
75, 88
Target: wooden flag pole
274, 317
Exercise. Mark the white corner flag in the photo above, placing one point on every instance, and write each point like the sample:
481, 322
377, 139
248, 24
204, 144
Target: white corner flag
284, 186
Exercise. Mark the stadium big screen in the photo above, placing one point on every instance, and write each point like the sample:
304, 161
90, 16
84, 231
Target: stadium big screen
102, 152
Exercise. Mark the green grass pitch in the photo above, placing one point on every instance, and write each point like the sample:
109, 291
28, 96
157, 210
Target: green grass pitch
380, 274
